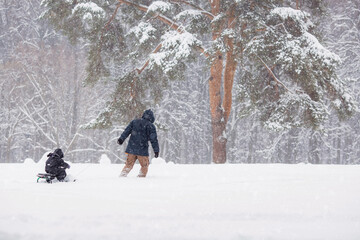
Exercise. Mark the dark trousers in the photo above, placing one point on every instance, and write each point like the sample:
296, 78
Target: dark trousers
59, 173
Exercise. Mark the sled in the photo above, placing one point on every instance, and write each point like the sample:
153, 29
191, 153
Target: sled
48, 177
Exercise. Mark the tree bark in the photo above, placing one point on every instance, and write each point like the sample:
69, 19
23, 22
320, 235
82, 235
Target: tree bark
230, 69
220, 108
217, 113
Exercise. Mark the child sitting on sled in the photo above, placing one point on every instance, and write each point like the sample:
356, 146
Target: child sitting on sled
56, 165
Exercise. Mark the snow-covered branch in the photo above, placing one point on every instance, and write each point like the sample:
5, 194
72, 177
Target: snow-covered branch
161, 17
273, 75
201, 10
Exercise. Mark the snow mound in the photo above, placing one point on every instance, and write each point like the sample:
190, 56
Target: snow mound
43, 158
70, 178
29, 161
158, 160
171, 163
105, 160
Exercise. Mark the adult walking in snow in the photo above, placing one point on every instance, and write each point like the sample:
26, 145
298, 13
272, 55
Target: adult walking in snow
142, 131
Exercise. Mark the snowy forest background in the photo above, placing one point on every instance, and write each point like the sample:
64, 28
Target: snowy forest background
44, 103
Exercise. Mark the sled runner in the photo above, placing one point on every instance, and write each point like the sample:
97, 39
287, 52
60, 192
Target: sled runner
46, 176
49, 178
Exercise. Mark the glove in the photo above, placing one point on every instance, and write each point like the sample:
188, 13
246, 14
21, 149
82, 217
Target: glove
120, 141
156, 154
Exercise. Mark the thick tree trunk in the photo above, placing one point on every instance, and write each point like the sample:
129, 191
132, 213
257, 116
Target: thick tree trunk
217, 113
219, 142
220, 106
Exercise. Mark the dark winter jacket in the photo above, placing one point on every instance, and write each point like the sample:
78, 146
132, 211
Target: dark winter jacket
142, 130
55, 164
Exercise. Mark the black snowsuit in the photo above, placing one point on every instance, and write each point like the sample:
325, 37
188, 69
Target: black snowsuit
56, 165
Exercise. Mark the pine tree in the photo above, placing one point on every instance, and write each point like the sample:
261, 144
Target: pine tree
269, 48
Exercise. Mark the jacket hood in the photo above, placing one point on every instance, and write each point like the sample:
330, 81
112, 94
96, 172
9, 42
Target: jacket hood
149, 115
59, 153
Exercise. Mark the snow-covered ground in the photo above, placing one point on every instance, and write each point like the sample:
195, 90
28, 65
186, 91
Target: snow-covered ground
235, 202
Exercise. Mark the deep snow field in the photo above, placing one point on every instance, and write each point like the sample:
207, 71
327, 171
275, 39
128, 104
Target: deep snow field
227, 202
